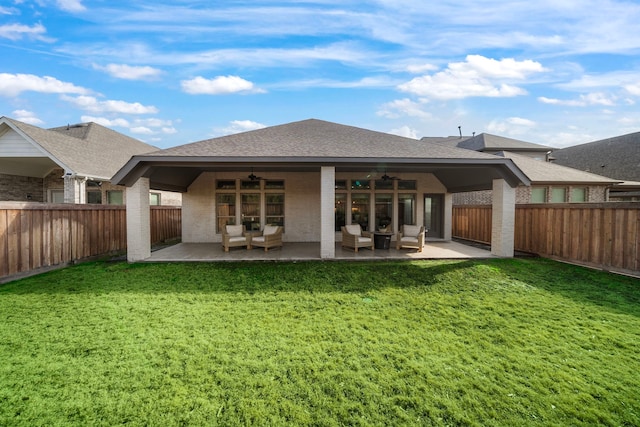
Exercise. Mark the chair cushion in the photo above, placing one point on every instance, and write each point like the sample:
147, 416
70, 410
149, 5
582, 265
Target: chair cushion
411, 230
235, 230
353, 229
269, 229
235, 239
364, 239
409, 240
258, 239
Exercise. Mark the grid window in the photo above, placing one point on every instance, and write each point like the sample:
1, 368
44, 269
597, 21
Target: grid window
225, 210
578, 194
558, 195
538, 195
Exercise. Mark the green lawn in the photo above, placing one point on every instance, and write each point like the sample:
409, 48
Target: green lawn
499, 342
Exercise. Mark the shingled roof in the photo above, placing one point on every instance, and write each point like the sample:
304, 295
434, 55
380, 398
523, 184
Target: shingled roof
86, 149
317, 138
540, 172
309, 144
488, 142
617, 157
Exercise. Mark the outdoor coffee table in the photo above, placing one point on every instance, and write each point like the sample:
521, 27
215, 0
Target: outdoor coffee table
382, 240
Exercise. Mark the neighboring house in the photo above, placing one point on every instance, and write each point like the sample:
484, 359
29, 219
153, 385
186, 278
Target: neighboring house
69, 164
617, 157
312, 177
493, 144
550, 183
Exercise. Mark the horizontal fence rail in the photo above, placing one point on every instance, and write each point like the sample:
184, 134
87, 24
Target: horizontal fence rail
603, 235
35, 235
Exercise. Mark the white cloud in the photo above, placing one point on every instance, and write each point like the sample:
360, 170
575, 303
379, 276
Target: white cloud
15, 84
150, 126
405, 131
142, 130
477, 76
129, 72
217, 86
71, 5
421, 68
18, 31
123, 123
511, 126
596, 98
633, 89
403, 107
169, 130
27, 117
92, 104
237, 126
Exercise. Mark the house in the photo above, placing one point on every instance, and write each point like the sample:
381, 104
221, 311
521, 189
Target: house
69, 164
312, 177
617, 157
550, 183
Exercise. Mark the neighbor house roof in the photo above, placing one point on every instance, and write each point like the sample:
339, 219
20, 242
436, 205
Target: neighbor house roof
488, 142
308, 144
86, 149
540, 172
617, 157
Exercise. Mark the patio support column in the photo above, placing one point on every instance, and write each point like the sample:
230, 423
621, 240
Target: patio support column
138, 221
327, 212
503, 219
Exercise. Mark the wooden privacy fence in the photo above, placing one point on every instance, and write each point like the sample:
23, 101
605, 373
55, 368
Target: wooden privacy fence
603, 235
34, 235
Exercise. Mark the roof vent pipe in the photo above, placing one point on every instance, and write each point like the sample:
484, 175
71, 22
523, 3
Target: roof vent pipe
460, 130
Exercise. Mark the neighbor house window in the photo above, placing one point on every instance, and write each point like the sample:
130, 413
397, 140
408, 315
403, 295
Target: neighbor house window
154, 199
56, 196
578, 194
225, 210
94, 197
94, 194
115, 197
558, 195
538, 195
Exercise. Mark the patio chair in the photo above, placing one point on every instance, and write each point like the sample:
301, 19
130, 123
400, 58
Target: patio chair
410, 236
271, 237
354, 237
234, 236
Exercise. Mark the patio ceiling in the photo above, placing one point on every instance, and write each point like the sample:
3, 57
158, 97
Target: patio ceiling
177, 173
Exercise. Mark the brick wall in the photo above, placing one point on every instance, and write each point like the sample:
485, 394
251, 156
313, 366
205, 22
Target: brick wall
595, 194
21, 188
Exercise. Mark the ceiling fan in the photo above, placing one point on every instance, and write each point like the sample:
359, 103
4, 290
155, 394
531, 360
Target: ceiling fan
386, 177
253, 177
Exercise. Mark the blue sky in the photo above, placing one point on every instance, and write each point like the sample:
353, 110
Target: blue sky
559, 72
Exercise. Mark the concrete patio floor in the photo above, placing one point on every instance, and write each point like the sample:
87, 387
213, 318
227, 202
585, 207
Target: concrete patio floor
207, 252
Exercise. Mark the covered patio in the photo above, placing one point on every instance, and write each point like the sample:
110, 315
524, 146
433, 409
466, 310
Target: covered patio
311, 178
309, 251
